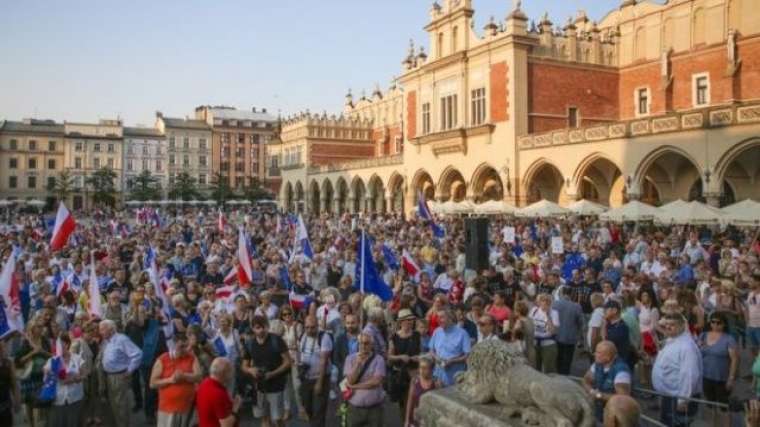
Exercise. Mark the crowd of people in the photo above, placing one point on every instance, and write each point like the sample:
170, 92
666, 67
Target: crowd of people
150, 313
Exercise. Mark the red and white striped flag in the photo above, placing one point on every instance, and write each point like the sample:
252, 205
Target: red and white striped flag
411, 267
244, 261
221, 222
64, 226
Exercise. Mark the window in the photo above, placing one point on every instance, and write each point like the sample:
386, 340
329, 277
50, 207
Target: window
454, 37
701, 83
158, 165
145, 150
572, 117
226, 152
241, 138
110, 163
185, 160
129, 165
239, 167
32, 163
51, 163
171, 179
642, 101
426, 118
439, 46
171, 143
51, 145
96, 147
255, 138
96, 162
77, 163
202, 179
239, 152
110, 148
224, 166
77, 182
51, 182
130, 149
144, 165
202, 161
12, 163
13, 144
478, 106
448, 112
158, 150
238, 181
12, 182
186, 143
31, 182
78, 146
202, 144
399, 144
171, 160
32, 145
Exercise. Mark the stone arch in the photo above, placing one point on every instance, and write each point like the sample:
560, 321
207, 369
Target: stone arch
315, 195
396, 192
671, 171
328, 194
740, 168
288, 197
359, 194
543, 180
376, 193
599, 179
486, 184
451, 185
300, 197
342, 193
423, 183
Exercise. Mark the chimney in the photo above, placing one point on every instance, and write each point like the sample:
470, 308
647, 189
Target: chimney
264, 110
254, 109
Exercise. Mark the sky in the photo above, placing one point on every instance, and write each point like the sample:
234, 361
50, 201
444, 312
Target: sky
83, 60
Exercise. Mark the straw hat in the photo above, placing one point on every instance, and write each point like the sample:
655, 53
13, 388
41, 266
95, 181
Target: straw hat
406, 314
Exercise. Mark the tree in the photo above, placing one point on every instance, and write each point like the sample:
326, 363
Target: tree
220, 188
102, 184
62, 186
254, 191
145, 187
184, 188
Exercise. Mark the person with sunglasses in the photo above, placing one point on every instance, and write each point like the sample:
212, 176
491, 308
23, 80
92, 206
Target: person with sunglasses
720, 362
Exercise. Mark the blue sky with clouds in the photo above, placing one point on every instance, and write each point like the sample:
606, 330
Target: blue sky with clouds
86, 59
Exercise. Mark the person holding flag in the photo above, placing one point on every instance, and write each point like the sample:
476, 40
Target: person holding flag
68, 371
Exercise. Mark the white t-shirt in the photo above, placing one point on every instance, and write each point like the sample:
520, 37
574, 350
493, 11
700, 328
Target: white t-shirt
597, 319
541, 320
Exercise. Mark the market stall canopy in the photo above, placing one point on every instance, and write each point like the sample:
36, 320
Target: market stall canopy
495, 207
744, 213
632, 211
587, 208
543, 209
689, 213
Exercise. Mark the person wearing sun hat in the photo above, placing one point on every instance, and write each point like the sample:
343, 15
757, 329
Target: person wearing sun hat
403, 350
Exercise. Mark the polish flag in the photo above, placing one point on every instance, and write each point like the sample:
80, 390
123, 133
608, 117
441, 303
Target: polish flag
64, 226
225, 292
10, 309
231, 276
299, 302
244, 260
411, 267
221, 222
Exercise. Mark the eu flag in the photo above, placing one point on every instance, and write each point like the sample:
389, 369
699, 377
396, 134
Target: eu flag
367, 278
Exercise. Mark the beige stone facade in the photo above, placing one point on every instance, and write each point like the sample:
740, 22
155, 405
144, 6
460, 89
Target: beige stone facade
188, 148
654, 102
31, 154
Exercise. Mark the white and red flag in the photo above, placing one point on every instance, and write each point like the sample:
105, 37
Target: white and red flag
411, 267
244, 260
64, 226
221, 222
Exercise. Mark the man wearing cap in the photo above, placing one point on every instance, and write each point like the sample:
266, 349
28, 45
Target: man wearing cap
616, 331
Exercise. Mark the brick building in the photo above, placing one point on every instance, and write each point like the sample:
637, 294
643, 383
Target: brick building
654, 102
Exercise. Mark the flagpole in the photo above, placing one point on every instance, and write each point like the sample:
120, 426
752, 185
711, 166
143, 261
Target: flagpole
361, 284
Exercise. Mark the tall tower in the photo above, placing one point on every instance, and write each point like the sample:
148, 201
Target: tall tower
450, 27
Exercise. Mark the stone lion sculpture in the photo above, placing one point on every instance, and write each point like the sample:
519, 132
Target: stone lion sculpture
497, 371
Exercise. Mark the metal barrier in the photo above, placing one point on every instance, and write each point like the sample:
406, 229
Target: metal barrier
695, 405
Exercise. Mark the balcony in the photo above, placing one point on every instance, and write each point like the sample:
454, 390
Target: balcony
703, 118
374, 162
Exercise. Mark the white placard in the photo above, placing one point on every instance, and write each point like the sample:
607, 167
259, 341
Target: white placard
557, 246
509, 234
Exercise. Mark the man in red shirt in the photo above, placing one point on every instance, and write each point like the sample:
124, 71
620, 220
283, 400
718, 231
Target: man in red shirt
212, 401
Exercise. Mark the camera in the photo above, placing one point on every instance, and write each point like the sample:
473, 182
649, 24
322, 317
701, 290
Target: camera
303, 370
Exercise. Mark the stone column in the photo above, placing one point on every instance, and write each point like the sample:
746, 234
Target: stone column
368, 202
324, 204
389, 204
350, 204
336, 206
